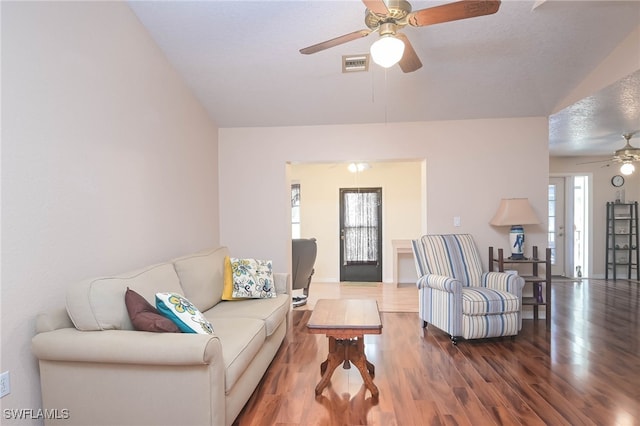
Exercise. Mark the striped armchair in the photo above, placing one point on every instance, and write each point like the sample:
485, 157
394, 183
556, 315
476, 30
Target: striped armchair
457, 297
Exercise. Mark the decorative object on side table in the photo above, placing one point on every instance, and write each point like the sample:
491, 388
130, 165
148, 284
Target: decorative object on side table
538, 293
515, 212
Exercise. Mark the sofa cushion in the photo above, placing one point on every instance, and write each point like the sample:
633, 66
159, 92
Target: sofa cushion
483, 301
202, 275
271, 311
252, 278
182, 312
145, 317
98, 303
241, 340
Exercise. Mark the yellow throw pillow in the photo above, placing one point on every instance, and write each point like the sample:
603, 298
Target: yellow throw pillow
227, 289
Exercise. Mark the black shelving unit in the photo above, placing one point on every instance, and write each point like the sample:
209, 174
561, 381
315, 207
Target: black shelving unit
622, 256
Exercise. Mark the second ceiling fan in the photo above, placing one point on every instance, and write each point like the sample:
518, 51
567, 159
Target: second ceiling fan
387, 17
627, 155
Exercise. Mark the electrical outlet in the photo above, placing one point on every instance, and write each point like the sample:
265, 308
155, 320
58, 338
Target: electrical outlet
5, 384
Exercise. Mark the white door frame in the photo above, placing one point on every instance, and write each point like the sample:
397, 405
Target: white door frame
569, 211
563, 229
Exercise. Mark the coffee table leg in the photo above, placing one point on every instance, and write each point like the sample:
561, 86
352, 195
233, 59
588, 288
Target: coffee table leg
371, 368
332, 348
345, 351
359, 359
334, 359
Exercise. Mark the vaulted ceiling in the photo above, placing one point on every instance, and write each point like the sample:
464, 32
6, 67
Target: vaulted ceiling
241, 58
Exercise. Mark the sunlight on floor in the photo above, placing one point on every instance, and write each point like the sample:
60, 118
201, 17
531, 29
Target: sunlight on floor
403, 298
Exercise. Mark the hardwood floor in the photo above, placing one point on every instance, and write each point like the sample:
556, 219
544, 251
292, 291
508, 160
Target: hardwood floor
403, 298
584, 371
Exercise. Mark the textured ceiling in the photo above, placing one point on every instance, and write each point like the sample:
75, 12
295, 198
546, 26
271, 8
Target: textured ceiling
242, 60
595, 124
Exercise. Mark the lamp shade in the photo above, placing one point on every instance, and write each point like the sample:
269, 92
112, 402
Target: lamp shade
514, 211
387, 51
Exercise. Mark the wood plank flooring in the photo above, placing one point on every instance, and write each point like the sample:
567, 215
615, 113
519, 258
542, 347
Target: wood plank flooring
584, 371
403, 298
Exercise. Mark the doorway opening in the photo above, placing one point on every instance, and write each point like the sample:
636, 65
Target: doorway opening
315, 210
569, 218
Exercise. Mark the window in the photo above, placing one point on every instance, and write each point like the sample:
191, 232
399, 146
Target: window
552, 222
295, 210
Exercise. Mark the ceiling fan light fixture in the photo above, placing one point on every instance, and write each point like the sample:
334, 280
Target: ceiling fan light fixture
627, 168
387, 50
358, 167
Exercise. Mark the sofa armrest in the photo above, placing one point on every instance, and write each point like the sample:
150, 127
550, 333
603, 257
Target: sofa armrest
440, 282
282, 282
127, 347
53, 320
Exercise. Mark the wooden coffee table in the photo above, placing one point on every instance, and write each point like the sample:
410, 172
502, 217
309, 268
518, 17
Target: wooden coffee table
345, 322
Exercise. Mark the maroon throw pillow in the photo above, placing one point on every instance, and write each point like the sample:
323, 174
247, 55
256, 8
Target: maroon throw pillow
145, 317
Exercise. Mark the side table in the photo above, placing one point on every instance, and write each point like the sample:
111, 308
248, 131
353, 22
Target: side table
536, 279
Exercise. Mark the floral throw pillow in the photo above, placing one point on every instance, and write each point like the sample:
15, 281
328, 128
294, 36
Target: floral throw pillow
252, 278
182, 312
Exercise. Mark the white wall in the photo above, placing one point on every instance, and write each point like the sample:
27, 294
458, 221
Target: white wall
108, 163
470, 166
401, 185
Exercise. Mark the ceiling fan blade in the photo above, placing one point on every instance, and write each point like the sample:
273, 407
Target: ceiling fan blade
376, 6
596, 161
410, 61
452, 12
335, 42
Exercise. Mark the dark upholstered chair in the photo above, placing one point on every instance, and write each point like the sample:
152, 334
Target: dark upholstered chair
303, 253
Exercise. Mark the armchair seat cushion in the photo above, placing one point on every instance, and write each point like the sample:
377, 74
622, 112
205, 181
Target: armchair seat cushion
487, 301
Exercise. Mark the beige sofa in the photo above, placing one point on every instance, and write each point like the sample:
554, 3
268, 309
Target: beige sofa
103, 372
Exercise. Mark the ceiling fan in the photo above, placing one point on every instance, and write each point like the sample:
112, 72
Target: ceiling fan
388, 16
627, 155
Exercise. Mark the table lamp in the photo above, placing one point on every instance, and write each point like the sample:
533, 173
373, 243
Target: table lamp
515, 212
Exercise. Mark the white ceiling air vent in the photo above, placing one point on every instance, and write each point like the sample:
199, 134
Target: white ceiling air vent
355, 63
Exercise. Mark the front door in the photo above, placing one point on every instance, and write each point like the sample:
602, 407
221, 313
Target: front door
361, 234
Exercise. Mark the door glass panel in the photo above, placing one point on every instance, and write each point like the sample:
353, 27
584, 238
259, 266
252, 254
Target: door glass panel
552, 222
295, 210
581, 193
361, 228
